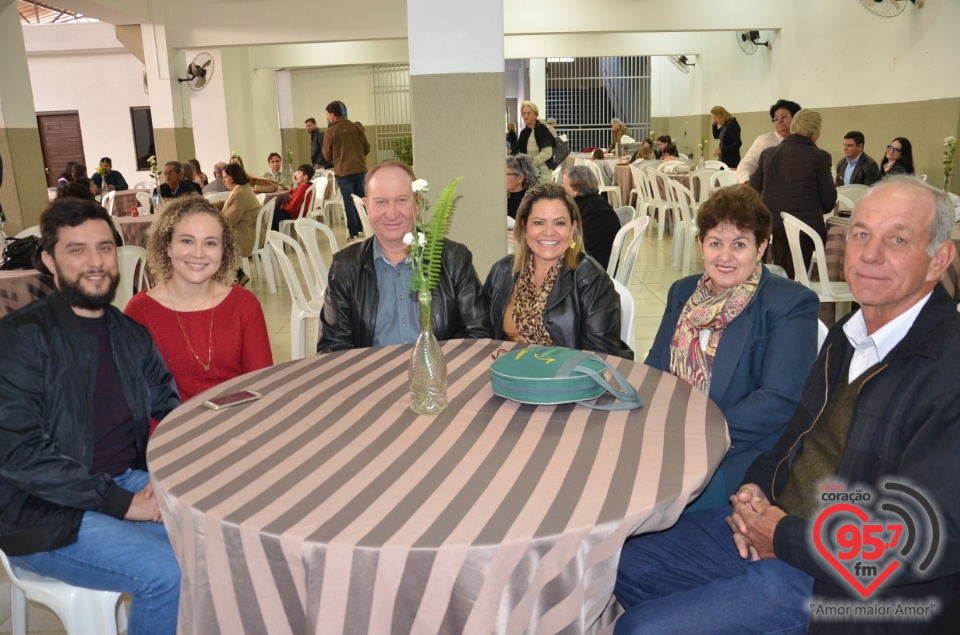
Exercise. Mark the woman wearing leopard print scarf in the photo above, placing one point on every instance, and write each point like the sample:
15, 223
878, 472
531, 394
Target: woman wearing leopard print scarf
550, 292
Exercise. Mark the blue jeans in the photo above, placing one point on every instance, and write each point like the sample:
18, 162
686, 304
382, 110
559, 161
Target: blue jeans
690, 579
352, 184
120, 555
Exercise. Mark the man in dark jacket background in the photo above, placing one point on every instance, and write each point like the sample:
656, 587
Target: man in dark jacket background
880, 403
79, 383
856, 167
368, 301
794, 177
316, 146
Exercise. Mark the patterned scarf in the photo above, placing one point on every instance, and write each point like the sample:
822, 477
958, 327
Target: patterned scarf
712, 309
529, 303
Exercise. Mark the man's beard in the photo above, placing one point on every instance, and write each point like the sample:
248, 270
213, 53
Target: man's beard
76, 297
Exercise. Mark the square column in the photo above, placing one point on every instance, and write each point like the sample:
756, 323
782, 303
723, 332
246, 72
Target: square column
457, 96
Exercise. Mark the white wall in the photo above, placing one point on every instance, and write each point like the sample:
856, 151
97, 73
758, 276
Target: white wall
314, 89
101, 87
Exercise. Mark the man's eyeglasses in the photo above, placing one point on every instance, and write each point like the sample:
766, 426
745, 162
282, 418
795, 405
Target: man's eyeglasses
777, 120
894, 149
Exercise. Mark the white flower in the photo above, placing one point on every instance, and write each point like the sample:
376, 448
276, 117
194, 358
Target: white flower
408, 238
420, 185
421, 239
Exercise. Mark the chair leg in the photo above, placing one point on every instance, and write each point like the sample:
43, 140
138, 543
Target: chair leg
267, 267
18, 611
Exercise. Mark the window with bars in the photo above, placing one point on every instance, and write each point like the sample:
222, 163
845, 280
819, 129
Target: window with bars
585, 93
391, 102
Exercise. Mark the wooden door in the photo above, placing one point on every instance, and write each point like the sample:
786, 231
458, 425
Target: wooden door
60, 142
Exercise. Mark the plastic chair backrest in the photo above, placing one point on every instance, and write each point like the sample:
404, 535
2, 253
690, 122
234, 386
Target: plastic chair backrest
627, 309
362, 213
107, 201
307, 203
262, 197
264, 222
626, 213
127, 260
794, 226
277, 241
29, 231
702, 180
145, 202
844, 201
213, 197
822, 331
638, 226
665, 165
723, 178
853, 191
307, 229
716, 165
558, 175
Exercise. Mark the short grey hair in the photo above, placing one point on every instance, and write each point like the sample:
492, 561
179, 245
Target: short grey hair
944, 213
522, 164
616, 120
582, 180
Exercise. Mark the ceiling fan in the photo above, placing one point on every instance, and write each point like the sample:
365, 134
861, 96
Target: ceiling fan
887, 8
749, 41
682, 62
199, 71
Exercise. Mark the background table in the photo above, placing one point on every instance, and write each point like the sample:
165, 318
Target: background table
122, 201
328, 506
836, 248
135, 229
21, 287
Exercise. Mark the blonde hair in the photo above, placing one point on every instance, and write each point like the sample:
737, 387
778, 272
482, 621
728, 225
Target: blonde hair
532, 106
161, 235
549, 192
721, 112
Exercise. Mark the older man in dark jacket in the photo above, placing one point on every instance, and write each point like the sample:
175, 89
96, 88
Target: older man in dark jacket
368, 301
880, 412
794, 177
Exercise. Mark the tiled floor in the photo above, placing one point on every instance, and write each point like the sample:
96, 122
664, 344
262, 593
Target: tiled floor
652, 278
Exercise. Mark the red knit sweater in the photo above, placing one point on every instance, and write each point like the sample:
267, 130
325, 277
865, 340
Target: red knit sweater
240, 341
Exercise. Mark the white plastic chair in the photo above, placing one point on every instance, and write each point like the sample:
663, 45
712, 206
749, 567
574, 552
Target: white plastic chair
286, 225
128, 258
82, 611
662, 193
716, 165
362, 212
262, 258
29, 231
307, 232
612, 191
627, 310
336, 200
686, 232
822, 331
853, 192
626, 213
145, 202
700, 181
639, 191
667, 166
262, 197
107, 201
843, 202
302, 307
956, 203
922, 177
145, 185
214, 197
722, 178
827, 291
622, 271
558, 175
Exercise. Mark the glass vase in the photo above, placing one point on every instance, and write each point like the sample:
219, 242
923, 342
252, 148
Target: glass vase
428, 369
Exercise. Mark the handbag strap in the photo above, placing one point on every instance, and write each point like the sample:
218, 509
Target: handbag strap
627, 395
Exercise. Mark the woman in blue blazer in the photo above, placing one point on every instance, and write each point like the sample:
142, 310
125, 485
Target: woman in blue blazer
744, 336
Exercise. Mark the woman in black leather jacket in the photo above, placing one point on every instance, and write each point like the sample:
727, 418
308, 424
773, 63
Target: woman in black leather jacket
550, 292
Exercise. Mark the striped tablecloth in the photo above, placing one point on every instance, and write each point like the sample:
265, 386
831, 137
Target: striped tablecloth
329, 507
21, 287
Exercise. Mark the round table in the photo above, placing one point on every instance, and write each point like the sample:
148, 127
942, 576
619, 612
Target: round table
328, 506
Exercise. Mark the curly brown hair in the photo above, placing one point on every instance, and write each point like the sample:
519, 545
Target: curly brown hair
161, 234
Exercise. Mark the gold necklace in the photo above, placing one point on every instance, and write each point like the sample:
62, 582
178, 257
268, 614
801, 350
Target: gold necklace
206, 367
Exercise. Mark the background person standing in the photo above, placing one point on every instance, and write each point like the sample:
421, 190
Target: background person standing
346, 145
